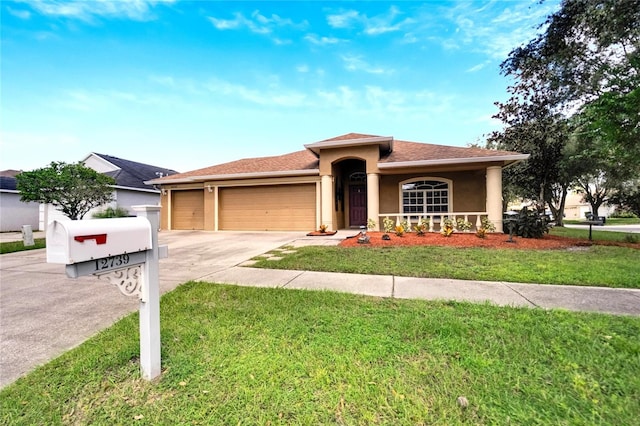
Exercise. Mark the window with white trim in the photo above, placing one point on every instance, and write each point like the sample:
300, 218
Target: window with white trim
425, 196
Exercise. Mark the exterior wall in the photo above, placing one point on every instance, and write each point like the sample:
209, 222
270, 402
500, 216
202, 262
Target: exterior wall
126, 198
211, 202
16, 213
369, 154
469, 192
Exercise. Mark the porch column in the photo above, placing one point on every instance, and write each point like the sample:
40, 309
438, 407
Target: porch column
327, 201
373, 198
494, 196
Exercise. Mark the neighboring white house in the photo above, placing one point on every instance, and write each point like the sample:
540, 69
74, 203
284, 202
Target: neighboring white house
13, 212
129, 190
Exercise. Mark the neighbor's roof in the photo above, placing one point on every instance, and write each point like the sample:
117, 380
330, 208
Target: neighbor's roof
398, 154
132, 174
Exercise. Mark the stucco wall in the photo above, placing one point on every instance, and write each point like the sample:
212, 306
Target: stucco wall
15, 213
469, 193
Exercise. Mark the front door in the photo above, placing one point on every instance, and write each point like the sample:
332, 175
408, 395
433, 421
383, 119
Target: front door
357, 205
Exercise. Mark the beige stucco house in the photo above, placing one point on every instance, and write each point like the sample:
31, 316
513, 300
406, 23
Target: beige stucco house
339, 182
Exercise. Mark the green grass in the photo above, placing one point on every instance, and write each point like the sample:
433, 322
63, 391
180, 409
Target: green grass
596, 234
14, 246
236, 355
589, 266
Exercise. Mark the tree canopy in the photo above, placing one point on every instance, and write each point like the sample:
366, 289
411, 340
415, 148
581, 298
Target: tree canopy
575, 101
73, 188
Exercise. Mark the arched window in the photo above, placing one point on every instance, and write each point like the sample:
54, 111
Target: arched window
426, 196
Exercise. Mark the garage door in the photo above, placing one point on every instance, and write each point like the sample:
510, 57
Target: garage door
187, 209
268, 208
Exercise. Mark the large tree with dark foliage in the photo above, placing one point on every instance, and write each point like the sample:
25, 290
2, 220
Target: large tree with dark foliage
581, 75
72, 188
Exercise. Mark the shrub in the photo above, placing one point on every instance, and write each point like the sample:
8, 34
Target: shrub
624, 214
631, 238
463, 225
420, 229
399, 230
388, 224
447, 227
371, 224
110, 212
529, 224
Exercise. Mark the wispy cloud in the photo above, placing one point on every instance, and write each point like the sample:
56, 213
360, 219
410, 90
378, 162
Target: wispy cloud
321, 41
138, 10
19, 13
356, 63
256, 23
376, 25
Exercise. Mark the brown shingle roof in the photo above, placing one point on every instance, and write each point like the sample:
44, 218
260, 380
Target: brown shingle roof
299, 160
414, 151
305, 160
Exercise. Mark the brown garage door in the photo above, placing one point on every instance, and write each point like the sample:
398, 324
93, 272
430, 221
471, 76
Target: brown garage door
268, 208
187, 209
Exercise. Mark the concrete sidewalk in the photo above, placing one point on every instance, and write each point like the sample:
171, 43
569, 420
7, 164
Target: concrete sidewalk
574, 298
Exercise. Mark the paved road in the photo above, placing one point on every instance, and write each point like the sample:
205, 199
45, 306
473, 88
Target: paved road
43, 313
634, 229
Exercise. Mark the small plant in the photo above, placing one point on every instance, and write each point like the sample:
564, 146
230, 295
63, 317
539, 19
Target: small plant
420, 229
463, 225
406, 225
487, 225
371, 224
630, 238
110, 212
323, 228
481, 233
447, 227
388, 224
530, 224
399, 230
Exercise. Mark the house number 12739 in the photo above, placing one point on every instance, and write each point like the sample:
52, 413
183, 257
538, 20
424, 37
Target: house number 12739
112, 262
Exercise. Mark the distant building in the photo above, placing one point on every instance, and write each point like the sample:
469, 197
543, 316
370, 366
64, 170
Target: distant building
13, 212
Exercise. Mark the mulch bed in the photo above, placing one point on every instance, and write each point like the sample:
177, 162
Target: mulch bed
321, 234
548, 242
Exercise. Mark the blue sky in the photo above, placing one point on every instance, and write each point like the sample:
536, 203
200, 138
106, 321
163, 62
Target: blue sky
189, 84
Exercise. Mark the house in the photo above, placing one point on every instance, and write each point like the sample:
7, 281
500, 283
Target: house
340, 182
130, 188
13, 212
575, 208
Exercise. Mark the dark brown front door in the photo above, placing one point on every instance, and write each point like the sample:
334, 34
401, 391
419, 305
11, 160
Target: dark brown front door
357, 205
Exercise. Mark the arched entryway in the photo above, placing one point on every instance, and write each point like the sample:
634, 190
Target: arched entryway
350, 193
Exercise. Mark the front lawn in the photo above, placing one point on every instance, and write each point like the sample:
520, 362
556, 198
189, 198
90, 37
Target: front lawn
589, 266
238, 355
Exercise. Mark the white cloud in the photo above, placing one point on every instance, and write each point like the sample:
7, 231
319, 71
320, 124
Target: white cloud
138, 10
317, 40
302, 68
343, 19
19, 13
356, 63
257, 23
375, 25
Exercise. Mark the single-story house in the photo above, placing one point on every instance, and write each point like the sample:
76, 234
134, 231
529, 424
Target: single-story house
13, 212
340, 182
130, 188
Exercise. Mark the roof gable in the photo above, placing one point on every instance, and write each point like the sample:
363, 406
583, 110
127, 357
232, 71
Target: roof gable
132, 174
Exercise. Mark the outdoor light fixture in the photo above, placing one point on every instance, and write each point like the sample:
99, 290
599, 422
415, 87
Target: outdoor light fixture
209, 188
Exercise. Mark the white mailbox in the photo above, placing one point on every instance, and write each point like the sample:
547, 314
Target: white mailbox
71, 242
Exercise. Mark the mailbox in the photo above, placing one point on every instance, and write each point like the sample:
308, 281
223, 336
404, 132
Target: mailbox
71, 242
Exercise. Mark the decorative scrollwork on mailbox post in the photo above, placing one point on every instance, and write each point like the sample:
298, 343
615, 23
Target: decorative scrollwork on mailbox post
128, 281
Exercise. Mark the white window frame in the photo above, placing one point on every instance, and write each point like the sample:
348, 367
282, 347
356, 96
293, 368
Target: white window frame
449, 204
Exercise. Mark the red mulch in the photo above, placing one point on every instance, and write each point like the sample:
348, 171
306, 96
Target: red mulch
470, 240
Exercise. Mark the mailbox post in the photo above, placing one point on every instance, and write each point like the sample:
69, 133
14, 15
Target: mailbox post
124, 251
150, 300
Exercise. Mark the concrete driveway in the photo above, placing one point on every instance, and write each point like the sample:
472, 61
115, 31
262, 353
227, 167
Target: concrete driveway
43, 313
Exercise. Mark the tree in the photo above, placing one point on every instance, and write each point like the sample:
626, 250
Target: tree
73, 188
627, 197
581, 72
